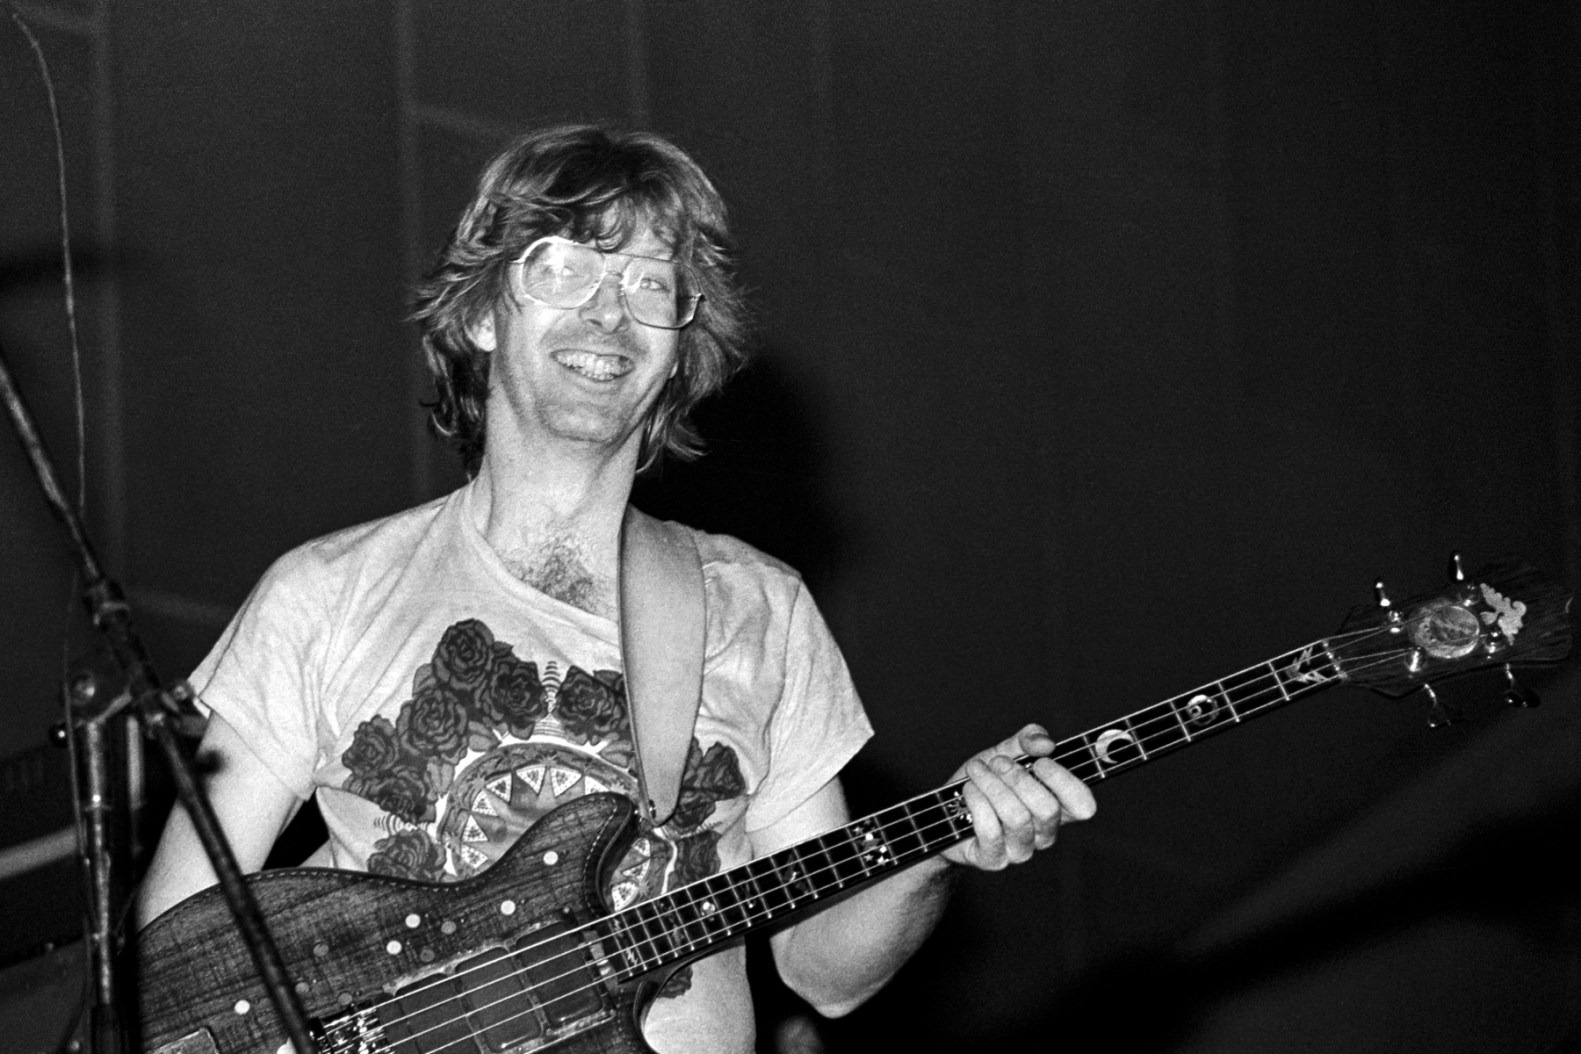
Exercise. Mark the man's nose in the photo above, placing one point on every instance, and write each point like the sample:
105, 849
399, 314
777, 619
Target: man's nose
607, 308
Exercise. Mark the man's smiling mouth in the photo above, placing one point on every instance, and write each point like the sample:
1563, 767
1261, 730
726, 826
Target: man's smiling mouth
594, 366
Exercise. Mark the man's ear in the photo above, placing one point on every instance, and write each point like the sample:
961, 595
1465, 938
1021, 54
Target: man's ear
482, 332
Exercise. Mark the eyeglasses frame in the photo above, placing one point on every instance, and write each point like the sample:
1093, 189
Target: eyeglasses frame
695, 299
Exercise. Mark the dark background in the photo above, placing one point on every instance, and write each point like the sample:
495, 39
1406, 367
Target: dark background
1107, 348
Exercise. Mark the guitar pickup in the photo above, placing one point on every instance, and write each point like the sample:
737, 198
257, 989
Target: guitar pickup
546, 985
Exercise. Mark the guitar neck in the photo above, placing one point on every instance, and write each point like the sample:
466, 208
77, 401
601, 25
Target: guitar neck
685, 922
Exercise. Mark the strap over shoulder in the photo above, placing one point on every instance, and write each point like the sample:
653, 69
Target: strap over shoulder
663, 621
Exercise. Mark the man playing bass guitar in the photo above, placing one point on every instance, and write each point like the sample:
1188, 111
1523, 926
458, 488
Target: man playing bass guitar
443, 678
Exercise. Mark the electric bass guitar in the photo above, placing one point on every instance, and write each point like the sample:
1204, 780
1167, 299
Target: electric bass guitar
529, 956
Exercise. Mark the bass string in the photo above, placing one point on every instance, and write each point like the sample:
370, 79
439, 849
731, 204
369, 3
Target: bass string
1275, 694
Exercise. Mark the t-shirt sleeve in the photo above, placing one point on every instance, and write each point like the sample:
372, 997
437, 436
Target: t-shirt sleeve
257, 677
819, 723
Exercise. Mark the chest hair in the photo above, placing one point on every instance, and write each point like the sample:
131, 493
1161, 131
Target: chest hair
558, 568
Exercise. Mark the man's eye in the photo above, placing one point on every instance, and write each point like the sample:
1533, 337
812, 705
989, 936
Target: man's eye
556, 274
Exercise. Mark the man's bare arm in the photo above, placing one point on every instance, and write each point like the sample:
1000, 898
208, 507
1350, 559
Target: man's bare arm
252, 805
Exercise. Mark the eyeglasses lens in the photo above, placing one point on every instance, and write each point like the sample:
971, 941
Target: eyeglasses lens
564, 274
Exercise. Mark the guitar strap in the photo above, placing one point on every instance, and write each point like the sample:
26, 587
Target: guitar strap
662, 633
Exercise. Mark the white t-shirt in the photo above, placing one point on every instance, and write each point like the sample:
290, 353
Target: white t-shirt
438, 706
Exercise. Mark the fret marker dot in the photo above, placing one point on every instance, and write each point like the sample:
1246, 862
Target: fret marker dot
321, 950
551, 858
394, 947
413, 921
242, 1006
447, 927
508, 907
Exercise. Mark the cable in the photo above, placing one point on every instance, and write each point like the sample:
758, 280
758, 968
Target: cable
70, 294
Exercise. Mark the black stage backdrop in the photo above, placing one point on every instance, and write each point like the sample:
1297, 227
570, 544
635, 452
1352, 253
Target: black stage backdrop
1107, 348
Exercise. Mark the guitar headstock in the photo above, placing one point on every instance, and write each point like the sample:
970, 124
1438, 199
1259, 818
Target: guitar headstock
1505, 615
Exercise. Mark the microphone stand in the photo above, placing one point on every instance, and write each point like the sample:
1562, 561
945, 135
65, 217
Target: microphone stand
159, 709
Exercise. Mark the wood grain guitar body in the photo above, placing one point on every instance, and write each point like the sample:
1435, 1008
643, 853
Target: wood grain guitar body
508, 962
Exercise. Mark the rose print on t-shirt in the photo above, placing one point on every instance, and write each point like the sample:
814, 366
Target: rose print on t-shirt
489, 743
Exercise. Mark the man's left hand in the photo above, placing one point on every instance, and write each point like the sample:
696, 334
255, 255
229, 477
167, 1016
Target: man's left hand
1017, 811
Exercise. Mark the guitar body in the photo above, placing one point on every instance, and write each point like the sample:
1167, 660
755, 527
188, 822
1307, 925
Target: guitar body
392, 965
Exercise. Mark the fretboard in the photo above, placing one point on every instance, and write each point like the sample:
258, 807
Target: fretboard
684, 923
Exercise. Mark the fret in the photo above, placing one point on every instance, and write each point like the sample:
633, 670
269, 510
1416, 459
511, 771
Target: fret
691, 916
1204, 710
1305, 668
1185, 729
709, 916
1074, 755
773, 898
846, 865
633, 947
728, 912
670, 939
1162, 727
871, 848
748, 894
827, 874
1246, 689
788, 884
1279, 683
648, 945
913, 842
798, 878
660, 936
671, 912
958, 818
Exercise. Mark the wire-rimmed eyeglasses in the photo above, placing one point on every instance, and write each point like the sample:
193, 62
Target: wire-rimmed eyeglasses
558, 272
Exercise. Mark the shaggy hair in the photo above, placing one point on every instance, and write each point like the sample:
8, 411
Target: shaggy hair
596, 185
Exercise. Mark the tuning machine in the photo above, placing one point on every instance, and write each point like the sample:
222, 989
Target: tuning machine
1387, 605
1516, 694
1440, 714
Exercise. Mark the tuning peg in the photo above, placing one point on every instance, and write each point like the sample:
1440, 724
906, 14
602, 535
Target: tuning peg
1384, 602
1456, 572
1439, 715
1517, 695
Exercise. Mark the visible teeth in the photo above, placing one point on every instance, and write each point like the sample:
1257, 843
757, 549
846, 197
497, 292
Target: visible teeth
595, 367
